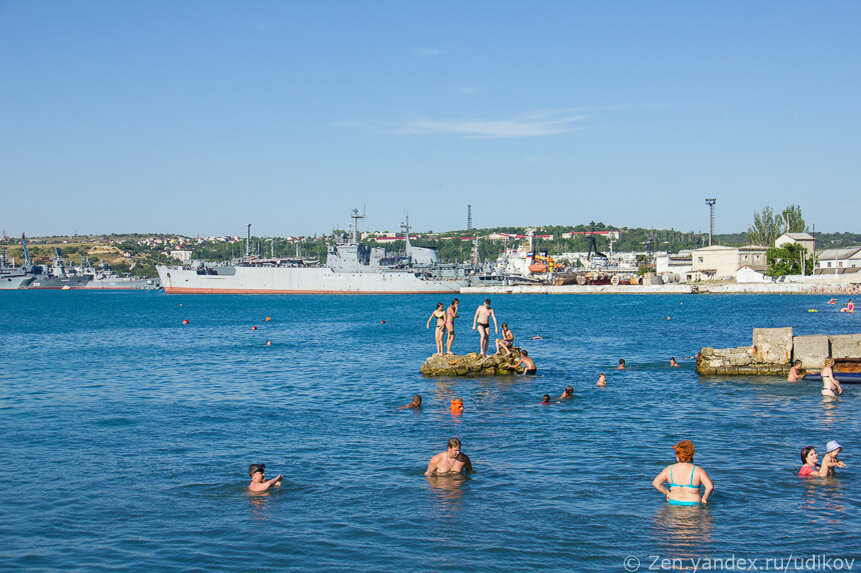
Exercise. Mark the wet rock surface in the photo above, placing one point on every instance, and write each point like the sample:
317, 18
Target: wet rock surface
473, 364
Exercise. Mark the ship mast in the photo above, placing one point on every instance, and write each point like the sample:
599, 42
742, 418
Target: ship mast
354, 228
406, 228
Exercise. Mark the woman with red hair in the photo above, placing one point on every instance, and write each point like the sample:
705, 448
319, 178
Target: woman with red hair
684, 490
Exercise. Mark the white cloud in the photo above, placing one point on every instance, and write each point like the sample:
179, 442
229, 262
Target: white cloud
532, 125
427, 51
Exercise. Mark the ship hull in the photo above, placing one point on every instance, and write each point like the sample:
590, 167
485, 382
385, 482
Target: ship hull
122, 284
301, 280
16, 282
59, 282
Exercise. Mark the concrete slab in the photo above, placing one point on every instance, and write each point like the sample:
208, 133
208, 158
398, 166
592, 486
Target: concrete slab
845, 346
811, 350
772, 345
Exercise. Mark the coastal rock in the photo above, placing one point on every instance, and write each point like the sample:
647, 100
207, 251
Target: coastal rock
473, 364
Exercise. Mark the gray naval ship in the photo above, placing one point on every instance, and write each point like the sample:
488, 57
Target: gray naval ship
350, 268
12, 277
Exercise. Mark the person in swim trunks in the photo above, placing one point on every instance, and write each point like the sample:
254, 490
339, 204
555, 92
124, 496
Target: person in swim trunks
439, 315
451, 461
528, 363
258, 479
685, 490
450, 315
481, 321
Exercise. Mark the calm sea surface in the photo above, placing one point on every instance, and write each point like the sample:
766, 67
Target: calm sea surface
126, 437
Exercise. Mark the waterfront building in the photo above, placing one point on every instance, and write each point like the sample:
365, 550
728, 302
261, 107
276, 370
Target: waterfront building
838, 261
722, 263
803, 239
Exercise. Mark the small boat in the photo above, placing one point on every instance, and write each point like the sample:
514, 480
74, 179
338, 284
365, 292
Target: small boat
842, 377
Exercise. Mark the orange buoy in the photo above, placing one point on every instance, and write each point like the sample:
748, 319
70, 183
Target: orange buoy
185, 321
266, 319
668, 318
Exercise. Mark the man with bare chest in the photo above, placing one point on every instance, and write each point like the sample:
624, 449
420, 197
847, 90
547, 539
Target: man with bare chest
451, 461
481, 322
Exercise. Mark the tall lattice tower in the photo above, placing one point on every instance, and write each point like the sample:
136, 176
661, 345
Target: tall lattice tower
469, 217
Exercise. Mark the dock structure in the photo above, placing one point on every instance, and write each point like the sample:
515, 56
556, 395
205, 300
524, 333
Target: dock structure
775, 349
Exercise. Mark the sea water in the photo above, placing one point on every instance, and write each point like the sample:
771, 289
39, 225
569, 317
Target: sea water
126, 436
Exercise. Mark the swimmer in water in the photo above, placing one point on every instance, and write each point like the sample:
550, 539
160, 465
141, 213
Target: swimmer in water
621, 364
829, 384
451, 461
545, 399
259, 481
673, 362
457, 406
685, 478
602, 380
528, 363
830, 461
794, 372
415, 404
567, 393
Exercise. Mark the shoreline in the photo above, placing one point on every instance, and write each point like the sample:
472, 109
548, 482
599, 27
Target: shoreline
716, 288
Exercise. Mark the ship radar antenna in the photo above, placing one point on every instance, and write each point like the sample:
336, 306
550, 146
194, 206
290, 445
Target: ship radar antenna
405, 226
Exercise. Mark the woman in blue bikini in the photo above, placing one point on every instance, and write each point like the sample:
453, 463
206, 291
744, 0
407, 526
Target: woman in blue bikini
689, 477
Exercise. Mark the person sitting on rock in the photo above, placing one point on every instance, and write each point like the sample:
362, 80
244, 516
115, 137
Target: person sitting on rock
504, 344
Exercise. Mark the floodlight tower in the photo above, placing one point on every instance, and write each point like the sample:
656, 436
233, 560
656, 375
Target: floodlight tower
711, 204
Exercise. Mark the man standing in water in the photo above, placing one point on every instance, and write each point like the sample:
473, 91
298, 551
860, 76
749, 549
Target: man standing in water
450, 315
482, 317
451, 461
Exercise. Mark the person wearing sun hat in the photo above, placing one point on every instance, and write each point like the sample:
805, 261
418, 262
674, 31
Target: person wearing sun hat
832, 450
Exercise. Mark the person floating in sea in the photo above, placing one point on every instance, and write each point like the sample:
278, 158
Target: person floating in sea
621, 364
794, 372
457, 406
504, 344
602, 380
415, 404
832, 301
481, 321
451, 461
545, 399
829, 384
685, 491
673, 362
439, 331
450, 315
568, 392
258, 479
528, 363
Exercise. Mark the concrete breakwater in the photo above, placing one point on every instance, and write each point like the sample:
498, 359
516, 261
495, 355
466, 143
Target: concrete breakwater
775, 349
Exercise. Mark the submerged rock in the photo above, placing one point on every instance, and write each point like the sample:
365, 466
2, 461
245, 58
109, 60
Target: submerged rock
473, 364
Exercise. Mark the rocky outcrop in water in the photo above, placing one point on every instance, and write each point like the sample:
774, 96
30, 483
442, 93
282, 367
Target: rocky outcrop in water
473, 364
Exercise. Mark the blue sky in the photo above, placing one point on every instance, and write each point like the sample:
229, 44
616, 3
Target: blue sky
198, 117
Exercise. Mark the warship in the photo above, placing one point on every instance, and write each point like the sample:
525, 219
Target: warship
350, 268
